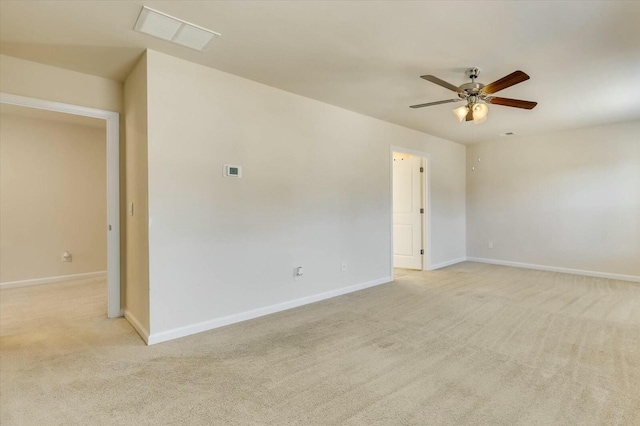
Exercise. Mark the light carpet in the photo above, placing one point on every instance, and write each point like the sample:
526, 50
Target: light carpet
470, 344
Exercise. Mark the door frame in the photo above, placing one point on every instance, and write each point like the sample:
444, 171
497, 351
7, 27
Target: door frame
426, 197
113, 184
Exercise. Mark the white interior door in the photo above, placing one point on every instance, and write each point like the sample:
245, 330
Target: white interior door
407, 219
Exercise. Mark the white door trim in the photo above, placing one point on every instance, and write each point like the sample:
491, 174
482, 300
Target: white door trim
426, 219
113, 183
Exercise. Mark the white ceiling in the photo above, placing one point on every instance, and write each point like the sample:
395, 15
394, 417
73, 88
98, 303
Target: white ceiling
583, 56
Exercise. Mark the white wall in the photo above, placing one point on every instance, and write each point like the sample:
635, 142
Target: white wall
315, 191
569, 199
53, 198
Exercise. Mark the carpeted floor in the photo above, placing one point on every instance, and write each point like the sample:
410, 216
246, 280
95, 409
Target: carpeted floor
470, 344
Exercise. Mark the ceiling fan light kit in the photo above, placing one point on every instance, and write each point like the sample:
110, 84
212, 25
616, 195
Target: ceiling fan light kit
477, 95
480, 112
461, 112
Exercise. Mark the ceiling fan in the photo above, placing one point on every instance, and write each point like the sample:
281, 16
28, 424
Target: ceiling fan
477, 95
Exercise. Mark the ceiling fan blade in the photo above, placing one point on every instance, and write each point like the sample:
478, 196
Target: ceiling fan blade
435, 103
442, 83
516, 103
508, 81
469, 116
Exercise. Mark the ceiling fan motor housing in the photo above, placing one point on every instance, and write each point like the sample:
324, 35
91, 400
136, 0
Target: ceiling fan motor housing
471, 89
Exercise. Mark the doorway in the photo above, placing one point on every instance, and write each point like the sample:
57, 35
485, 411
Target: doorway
409, 210
112, 225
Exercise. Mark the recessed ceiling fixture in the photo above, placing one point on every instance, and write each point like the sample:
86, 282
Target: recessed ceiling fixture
476, 95
172, 29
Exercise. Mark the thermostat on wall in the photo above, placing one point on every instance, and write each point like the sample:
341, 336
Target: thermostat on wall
232, 171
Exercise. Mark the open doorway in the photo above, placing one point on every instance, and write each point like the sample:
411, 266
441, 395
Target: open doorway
61, 184
410, 211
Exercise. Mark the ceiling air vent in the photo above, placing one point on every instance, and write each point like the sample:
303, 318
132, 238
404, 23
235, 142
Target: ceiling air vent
172, 29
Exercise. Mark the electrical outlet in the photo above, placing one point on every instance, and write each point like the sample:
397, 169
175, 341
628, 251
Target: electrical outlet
297, 273
344, 266
490, 244
66, 257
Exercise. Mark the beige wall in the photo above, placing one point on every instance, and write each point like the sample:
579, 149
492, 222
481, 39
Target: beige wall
315, 192
52, 198
35, 80
137, 239
569, 199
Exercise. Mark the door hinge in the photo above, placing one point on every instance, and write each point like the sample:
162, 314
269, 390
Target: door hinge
421, 251
109, 227
422, 211
421, 169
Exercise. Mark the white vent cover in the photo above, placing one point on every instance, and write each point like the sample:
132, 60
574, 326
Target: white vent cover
172, 29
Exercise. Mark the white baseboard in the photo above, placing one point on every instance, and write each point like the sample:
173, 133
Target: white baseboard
51, 280
447, 263
135, 323
244, 316
633, 278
